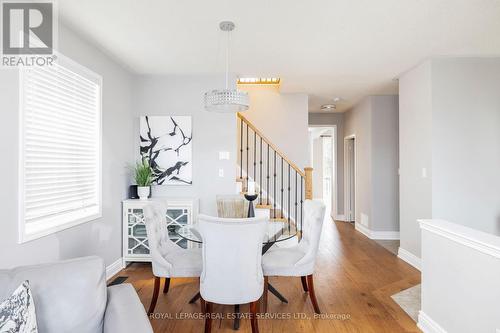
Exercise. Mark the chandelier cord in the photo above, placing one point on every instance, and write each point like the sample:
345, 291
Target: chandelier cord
227, 59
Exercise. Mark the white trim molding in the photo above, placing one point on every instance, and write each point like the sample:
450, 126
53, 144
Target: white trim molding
427, 325
480, 241
348, 214
410, 258
114, 268
374, 234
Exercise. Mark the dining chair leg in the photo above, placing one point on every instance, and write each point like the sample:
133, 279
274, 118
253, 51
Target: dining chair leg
236, 322
203, 306
156, 291
254, 309
208, 317
304, 283
166, 286
265, 293
312, 294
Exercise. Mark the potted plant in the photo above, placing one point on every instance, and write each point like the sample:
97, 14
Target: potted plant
143, 179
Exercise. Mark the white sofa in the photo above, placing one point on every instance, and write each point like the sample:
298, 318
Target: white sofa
71, 296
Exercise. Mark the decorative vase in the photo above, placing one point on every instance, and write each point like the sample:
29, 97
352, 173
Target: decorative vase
143, 192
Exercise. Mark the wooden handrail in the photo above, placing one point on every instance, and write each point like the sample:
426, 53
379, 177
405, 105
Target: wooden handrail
266, 140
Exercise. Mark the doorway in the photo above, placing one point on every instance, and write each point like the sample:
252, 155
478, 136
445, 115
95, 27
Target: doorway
350, 177
322, 143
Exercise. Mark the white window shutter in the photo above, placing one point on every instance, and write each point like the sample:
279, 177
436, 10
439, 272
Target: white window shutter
60, 147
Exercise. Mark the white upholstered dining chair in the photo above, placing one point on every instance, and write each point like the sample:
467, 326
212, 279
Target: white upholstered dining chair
298, 260
232, 263
167, 258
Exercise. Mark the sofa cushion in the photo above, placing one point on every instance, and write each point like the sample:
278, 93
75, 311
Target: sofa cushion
69, 296
125, 312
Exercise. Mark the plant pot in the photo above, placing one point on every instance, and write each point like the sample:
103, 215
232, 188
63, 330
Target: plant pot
143, 192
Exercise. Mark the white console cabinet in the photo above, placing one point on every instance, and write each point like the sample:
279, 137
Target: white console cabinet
180, 211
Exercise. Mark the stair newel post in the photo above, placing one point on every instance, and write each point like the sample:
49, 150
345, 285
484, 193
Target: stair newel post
309, 183
301, 205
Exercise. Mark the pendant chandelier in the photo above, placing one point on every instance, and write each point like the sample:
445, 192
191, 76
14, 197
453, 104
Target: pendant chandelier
226, 100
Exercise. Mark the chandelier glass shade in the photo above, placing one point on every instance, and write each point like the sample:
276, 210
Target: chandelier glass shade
226, 100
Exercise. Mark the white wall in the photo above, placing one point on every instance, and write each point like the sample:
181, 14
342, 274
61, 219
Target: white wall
336, 120
466, 142
103, 236
282, 118
449, 121
374, 122
212, 133
385, 162
358, 122
460, 285
415, 154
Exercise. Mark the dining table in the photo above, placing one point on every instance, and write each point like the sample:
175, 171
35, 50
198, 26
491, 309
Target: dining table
276, 231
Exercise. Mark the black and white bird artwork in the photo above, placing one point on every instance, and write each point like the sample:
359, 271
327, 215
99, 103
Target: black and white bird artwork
167, 143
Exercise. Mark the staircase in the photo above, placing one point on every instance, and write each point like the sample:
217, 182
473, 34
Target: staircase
281, 185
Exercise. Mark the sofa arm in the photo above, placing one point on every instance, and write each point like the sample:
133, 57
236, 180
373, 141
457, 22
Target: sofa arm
125, 312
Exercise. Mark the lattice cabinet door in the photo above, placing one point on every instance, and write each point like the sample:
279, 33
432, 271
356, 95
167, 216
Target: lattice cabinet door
135, 239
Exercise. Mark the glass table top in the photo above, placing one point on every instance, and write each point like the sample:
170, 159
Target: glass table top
276, 232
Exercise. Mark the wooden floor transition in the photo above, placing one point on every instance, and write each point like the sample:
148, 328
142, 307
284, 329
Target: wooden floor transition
354, 279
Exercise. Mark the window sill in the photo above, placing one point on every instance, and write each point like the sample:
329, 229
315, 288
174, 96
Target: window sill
27, 235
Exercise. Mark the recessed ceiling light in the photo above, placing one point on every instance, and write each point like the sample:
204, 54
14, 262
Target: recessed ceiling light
259, 80
328, 107
336, 99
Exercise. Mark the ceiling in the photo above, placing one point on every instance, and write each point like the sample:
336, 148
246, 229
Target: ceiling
325, 48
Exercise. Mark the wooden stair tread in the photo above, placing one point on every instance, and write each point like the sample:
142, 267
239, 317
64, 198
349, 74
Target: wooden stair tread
263, 206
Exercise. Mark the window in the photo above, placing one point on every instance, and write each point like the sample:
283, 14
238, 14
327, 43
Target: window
60, 148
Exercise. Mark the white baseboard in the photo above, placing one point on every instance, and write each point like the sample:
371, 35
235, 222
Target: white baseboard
427, 325
114, 268
410, 258
389, 235
374, 234
362, 229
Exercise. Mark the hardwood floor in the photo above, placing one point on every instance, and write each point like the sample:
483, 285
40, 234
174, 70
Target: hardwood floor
354, 279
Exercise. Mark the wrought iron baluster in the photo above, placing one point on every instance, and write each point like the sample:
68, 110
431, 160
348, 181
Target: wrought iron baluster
274, 184
282, 187
296, 199
254, 156
260, 173
267, 187
289, 211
